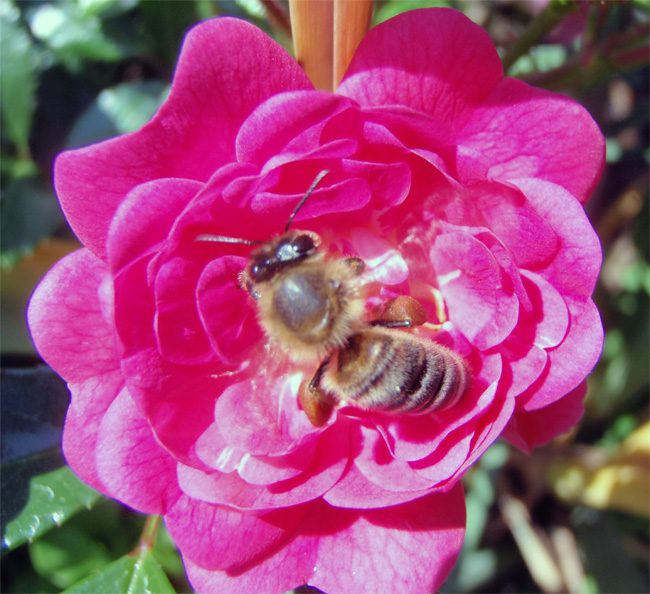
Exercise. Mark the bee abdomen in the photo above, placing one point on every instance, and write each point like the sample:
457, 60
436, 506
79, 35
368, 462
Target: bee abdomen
403, 376
438, 384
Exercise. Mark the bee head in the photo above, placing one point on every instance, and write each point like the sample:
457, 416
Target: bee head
283, 252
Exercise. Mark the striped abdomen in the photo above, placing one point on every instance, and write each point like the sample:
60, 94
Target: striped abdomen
395, 372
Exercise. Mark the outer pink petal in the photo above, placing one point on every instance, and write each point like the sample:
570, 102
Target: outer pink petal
529, 132
227, 67
71, 334
66, 321
528, 430
131, 462
215, 537
444, 75
90, 401
571, 361
403, 549
575, 268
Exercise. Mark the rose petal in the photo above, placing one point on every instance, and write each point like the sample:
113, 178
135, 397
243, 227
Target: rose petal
190, 136
282, 118
262, 418
384, 263
528, 430
575, 268
548, 322
131, 462
66, 321
382, 73
143, 220
215, 452
355, 491
406, 548
529, 132
378, 465
479, 300
72, 335
226, 310
571, 361
204, 532
327, 466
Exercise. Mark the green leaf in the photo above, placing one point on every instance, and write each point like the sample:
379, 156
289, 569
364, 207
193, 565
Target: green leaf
18, 78
131, 575
53, 498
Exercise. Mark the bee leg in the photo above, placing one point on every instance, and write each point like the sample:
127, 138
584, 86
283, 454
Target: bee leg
401, 312
316, 403
244, 282
392, 323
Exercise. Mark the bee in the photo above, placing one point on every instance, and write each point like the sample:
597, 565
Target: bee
312, 305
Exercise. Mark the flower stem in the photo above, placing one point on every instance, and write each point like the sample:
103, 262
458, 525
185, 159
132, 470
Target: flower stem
546, 20
149, 533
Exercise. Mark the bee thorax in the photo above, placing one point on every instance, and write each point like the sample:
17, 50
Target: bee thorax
303, 305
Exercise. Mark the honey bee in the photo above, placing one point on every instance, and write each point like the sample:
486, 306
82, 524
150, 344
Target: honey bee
312, 306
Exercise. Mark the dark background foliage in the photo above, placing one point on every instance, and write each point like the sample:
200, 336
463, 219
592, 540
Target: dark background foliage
572, 517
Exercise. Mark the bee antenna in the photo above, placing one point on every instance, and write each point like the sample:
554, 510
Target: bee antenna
319, 177
223, 239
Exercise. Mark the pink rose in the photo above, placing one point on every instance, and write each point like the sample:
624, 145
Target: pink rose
455, 185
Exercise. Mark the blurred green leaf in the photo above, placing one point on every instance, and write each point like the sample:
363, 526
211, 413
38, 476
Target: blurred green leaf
72, 35
253, 8
131, 575
18, 77
66, 556
388, 10
118, 110
605, 553
105, 7
167, 554
35, 496
30, 212
166, 23
541, 58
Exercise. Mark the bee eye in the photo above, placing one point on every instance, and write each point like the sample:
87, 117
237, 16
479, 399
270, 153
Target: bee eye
303, 244
263, 270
